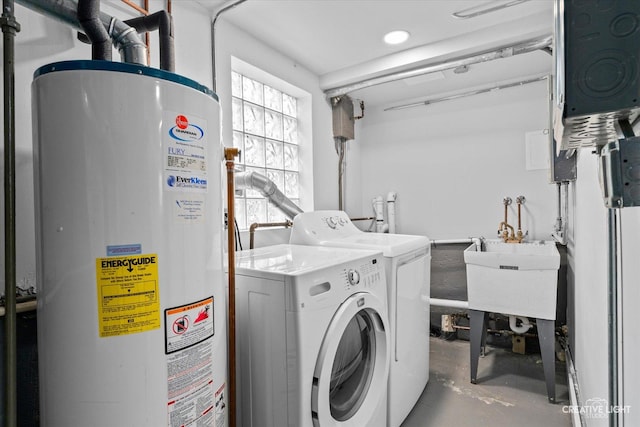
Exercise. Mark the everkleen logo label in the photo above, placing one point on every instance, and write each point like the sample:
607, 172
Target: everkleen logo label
177, 181
185, 131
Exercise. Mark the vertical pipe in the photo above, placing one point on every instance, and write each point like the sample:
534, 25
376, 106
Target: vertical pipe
213, 38
341, 142
9, 29
612, 294
229, 155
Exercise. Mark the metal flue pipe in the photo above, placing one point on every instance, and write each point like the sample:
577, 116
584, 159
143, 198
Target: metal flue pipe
132, 49
9, 29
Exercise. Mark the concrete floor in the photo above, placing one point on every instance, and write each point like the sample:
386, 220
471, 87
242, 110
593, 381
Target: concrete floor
510, 392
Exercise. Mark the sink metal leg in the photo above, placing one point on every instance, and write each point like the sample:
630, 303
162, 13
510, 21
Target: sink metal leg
478, 335
546, 336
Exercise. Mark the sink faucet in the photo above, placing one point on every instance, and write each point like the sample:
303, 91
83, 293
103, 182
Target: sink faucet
505, 230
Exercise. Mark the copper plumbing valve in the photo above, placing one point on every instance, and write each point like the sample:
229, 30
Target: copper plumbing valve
505, 230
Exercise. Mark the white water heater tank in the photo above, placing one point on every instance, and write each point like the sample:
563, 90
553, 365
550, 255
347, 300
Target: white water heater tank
131, 305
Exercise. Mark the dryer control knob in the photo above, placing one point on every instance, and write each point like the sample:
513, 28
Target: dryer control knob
331, 222
354, 277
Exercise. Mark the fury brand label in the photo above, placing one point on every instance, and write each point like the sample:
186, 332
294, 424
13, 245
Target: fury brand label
185, 152
128, 297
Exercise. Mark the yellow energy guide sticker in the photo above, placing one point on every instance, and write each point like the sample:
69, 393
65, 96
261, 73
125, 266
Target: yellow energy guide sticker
128, 297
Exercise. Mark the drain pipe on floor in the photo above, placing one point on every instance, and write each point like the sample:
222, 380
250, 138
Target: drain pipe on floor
9, 29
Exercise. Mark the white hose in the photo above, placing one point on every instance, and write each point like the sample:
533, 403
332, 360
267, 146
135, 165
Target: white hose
524, 327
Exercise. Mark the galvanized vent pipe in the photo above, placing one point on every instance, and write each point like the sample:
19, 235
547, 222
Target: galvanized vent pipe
124, 38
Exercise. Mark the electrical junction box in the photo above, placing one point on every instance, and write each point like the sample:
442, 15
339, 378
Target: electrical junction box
620, 173
343, 121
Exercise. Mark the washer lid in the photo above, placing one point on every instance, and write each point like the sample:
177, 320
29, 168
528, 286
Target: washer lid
334, 228
294, 260
391, 245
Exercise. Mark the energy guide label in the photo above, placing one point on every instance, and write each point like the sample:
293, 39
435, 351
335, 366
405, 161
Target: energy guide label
128, 298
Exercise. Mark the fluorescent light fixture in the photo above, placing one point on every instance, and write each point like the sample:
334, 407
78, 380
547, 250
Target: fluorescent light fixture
488, 7
396, 37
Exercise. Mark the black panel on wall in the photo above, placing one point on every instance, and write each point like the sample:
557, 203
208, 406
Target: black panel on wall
602, 52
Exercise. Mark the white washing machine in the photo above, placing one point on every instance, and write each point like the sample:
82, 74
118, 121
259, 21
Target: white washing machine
407, 261
313, 337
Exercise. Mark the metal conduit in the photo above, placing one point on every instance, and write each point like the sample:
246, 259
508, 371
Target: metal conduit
613, 282
222, 10
501, 52
9, 29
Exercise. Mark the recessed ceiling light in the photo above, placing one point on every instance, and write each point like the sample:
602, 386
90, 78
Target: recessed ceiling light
396, 37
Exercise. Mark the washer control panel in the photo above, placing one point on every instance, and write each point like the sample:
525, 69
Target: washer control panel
313, 227
365, 275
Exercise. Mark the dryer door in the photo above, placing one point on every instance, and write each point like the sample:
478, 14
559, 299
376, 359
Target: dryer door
350, 378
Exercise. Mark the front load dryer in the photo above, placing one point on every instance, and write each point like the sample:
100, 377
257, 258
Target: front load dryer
408, 270
312, 337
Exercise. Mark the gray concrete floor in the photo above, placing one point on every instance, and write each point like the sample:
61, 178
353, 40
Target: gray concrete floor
510, 391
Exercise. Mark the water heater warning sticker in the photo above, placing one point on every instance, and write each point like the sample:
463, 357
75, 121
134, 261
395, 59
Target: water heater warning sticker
128, 299
188, 325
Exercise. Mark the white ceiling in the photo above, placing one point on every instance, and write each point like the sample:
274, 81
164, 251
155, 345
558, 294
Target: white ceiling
341, 41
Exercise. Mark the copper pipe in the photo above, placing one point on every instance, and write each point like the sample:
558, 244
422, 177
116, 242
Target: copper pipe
505, 213
229, 155
255, 225
135, 6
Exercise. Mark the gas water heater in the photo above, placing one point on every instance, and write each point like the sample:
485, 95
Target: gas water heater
131, 303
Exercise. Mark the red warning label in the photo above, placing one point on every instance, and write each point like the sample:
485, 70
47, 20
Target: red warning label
188, 324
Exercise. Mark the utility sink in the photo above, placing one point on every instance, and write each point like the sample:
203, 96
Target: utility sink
513, 278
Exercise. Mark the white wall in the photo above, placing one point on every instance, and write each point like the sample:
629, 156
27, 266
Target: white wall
43, 40
587, 256
452, 163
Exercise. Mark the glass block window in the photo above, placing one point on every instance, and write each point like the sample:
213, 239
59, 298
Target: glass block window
265, 130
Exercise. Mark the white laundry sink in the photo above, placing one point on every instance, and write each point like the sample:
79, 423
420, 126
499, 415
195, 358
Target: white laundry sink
513, 278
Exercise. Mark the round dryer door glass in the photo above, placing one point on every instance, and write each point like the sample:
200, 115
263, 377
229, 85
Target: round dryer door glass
352, 367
